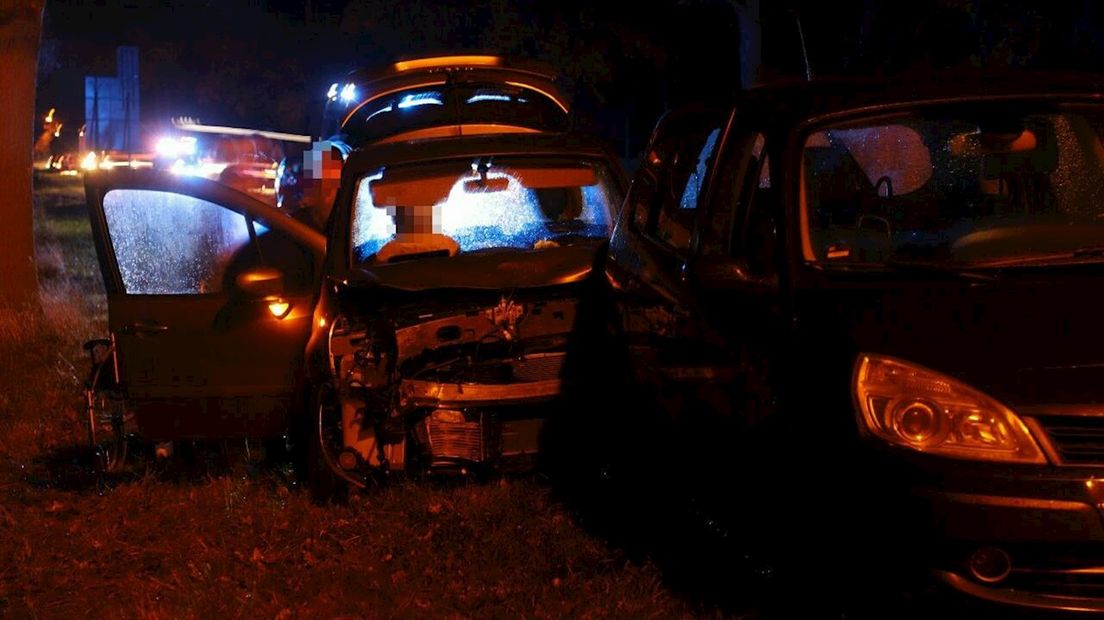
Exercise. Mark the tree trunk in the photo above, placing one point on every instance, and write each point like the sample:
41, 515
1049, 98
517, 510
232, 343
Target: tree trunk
20, 27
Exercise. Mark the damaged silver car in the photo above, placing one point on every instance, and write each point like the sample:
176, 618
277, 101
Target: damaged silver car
452, 279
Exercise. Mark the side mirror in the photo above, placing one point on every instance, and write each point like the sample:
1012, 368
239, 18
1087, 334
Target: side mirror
260, 282
726, 272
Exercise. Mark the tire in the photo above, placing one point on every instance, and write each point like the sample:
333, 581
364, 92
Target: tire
320, 425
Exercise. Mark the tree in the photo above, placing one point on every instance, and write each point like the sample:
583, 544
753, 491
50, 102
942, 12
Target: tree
20, 28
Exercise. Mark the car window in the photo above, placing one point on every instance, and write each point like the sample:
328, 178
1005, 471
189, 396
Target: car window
741, 220
758, 234
445, 208
171, 244
489, 106
984, 184
680, 187
174, 244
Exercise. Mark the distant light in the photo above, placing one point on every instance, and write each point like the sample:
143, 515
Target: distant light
417, 99
348, 93
322, 322
209, 170
332, 93
90, 161
167, 147
57, 132
50, 116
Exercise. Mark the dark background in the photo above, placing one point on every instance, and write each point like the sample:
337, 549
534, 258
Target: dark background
267, 64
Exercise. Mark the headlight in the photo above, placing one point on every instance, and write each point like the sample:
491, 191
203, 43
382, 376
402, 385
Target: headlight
911, 406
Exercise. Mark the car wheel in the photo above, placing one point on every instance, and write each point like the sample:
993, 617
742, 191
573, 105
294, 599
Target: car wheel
324, 478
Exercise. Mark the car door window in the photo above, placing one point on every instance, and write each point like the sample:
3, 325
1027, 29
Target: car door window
759, 231
172, 244
167, 243
678, 210
741, 219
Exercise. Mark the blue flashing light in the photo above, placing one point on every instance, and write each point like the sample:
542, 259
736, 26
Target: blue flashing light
348, 93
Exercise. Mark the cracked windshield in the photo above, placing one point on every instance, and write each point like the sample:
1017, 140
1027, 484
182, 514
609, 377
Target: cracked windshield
992, 187
414, 212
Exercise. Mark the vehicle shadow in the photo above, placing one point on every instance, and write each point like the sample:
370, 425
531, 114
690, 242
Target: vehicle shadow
610, 454
74, 469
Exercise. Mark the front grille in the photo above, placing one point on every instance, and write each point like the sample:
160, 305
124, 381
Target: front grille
539, 367
453, 441
1078, 440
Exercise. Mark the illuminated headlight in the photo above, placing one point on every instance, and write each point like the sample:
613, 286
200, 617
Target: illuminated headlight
912, 406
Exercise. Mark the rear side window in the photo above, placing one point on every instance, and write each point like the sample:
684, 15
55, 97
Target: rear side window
668, 191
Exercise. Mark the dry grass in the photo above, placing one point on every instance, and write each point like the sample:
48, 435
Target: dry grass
249, 544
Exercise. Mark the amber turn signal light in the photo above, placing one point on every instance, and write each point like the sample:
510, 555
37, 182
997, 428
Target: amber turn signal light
279, 308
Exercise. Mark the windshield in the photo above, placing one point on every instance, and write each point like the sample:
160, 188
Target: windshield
481, 107
987, 185
481, 204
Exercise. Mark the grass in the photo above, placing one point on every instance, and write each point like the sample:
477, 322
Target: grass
234, 542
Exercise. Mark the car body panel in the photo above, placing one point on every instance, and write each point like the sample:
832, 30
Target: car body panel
202, 365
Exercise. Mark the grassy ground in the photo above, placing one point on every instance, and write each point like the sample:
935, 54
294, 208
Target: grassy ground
234, 542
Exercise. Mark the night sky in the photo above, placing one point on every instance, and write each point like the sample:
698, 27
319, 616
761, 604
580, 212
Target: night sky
267, 63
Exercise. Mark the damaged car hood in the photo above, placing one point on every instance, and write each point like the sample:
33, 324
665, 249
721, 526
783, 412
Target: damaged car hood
503, 269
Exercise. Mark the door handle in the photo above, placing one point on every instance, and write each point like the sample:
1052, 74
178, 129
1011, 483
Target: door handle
144, 328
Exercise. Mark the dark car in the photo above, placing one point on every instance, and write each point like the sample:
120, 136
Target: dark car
209, 295
862, 323
454, 270
432, 97
443, 96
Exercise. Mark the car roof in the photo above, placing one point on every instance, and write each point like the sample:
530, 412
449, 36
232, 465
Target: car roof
797, 100
371, 157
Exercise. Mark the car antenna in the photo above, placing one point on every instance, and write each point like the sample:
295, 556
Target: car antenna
801, 39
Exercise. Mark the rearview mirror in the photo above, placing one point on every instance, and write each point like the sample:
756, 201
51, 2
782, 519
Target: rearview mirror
412, 192
260, 282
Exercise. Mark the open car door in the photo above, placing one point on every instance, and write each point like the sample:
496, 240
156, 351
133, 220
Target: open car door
210, 294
